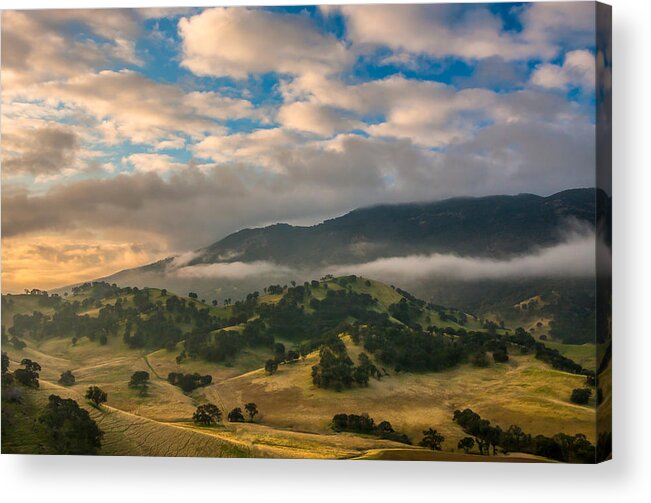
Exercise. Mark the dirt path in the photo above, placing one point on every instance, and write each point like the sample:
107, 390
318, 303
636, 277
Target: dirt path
145, 357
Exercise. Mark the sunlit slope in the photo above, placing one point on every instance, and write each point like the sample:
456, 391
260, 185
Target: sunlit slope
523, 391
295, 416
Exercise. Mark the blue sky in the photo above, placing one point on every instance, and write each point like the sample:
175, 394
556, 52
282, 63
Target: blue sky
139, 133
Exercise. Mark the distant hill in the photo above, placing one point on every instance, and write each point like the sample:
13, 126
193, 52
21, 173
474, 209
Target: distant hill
494, 226
490, 227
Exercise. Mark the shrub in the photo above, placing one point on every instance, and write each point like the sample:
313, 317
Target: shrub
70, 428
236, 416
67, 378
581, 395
96, 395
500, 356
207, 414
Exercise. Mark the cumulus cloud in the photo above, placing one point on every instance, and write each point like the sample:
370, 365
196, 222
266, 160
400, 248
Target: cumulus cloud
132, 106
42, 151
431, 114
146, 162
38, 46
314, 118
469, 33
255, 147
574, 258
78, 94
238, 41
217, 106
578, 69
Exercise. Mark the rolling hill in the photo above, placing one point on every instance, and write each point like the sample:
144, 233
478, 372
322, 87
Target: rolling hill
414, 390
495, 227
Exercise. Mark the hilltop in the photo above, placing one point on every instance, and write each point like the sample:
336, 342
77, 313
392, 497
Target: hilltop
493, 226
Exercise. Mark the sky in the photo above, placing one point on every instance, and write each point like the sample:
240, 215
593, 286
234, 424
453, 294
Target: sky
132, 135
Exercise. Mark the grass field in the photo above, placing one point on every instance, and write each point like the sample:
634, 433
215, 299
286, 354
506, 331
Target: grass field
295, 416
524, 391
583, 354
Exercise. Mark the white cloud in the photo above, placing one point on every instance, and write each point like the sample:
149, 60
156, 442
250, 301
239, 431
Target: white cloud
237, 42
173, 143
39, 46
550, 25
217, 106
146, 162
129, 106
232, 270
256, 147
431, 114
574, 258
468, 32
315, 118
578, 69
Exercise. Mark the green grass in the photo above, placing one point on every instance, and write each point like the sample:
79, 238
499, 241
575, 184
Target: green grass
525, 392
21, 304
295, 416
21, 431
583, 354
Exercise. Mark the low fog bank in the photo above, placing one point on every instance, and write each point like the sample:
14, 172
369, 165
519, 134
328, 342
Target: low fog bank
573, 258
230, 270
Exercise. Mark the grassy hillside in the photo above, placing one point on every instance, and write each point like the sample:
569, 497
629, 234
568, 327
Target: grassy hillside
523, 392
295, 414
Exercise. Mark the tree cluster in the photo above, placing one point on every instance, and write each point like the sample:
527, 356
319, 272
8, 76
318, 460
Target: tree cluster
362, 423
70, 429
67, 378
432, 439
337, 371
96, 395
560, 447
207, 414
581, 395
28, 376
188, 382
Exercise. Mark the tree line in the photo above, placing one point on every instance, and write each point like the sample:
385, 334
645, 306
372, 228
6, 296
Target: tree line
560, 447
365, 424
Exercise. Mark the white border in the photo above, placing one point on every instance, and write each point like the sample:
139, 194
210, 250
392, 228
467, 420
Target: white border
626, 478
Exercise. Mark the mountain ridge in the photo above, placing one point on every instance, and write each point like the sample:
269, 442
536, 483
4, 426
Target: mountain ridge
491, 226
498, 226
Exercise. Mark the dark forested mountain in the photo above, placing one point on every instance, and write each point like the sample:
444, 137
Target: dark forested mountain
491, 227
495, 226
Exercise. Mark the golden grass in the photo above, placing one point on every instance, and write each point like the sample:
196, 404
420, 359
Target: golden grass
295, 416
127, 434
427, 455
525, 392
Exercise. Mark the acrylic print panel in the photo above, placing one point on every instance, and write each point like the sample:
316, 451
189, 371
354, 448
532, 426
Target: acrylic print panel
352, 232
